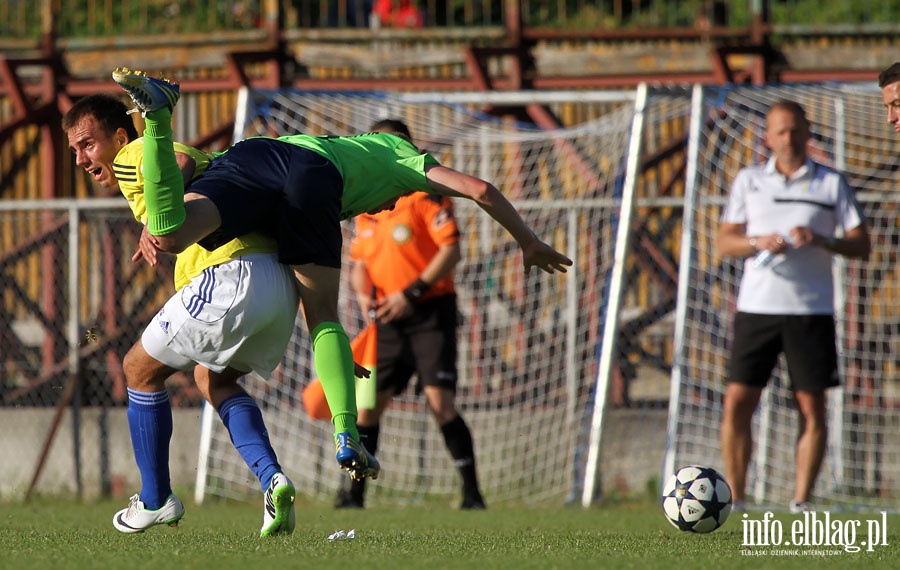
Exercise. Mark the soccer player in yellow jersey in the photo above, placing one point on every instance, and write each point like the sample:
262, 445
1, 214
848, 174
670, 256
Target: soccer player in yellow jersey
226, 318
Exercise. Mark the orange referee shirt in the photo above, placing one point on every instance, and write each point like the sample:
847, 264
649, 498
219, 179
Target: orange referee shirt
396, 245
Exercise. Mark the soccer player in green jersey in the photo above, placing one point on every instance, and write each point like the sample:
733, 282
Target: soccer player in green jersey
299, 188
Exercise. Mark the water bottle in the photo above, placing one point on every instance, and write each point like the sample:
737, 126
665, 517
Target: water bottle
762, 258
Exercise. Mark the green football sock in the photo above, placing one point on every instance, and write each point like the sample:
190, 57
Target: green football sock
163, 181
334, 365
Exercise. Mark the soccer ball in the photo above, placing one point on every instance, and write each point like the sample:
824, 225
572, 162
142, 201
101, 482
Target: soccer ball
696, 499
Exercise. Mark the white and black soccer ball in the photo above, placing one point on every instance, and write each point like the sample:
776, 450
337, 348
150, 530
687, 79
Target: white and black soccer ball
696, 499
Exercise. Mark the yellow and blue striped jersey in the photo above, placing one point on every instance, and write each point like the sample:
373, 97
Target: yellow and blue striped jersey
128, 168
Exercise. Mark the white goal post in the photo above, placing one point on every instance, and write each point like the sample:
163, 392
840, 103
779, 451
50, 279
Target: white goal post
849, 133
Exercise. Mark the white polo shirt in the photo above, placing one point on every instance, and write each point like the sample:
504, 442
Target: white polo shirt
799, 281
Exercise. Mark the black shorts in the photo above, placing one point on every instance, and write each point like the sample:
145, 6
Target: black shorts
288, 192
424, 343
808, 343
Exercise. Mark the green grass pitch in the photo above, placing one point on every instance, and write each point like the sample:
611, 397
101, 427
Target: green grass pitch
224, 535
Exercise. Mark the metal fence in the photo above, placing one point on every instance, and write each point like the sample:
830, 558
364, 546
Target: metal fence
26, 19
73, 302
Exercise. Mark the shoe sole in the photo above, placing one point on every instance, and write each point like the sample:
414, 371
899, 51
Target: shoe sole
133, 79
358, 473
283, 498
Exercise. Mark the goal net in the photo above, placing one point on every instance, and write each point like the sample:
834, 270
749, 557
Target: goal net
849, 133
528, 343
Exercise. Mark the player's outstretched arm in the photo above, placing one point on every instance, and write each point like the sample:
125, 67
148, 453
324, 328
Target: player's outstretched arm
535, 253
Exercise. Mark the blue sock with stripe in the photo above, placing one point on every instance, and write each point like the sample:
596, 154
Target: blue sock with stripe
150, 424
244, 422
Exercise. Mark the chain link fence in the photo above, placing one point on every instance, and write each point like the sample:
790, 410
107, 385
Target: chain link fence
73, 304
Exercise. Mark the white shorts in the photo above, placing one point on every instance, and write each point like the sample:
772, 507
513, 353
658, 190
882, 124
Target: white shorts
239, 314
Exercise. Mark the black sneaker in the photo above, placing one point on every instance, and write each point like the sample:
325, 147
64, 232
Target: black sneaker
347, 499
473, 503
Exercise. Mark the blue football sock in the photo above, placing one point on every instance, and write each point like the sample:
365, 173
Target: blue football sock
150, 424
244, 422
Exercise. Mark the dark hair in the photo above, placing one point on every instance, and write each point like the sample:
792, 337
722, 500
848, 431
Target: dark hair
393, 126
791, 107
109, 111
889, 75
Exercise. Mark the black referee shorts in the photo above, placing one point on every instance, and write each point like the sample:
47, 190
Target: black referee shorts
807, 341
280, 189
424, 344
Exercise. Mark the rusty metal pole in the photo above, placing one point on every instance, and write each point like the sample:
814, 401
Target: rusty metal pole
273, 21
522, 55
50, 256
759, 37
514, 22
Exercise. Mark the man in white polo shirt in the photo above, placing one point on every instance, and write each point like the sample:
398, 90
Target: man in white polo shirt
795, 209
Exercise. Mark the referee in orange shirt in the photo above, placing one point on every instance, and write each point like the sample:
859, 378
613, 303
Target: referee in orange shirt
407, 256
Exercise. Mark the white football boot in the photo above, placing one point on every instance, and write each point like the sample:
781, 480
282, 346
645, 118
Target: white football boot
137, 518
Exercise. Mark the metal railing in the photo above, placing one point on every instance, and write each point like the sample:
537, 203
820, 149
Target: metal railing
28, 19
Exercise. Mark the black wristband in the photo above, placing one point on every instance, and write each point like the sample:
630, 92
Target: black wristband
415, 291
